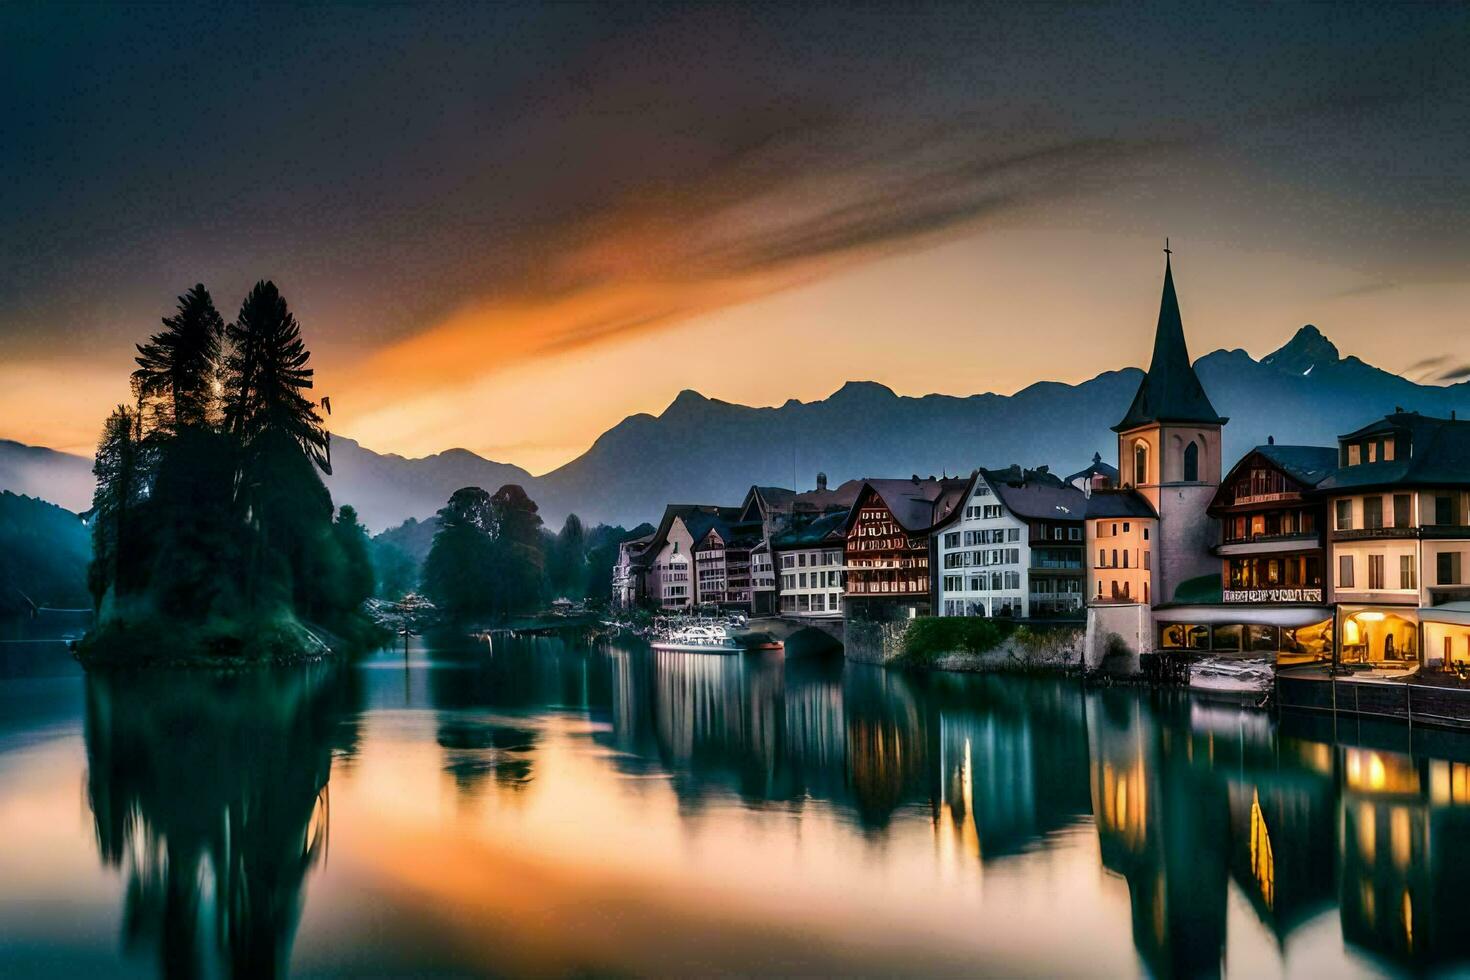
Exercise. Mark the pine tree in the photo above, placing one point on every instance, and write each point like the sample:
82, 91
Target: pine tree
177, 369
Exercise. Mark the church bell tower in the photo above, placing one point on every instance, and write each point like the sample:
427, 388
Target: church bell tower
1169, 451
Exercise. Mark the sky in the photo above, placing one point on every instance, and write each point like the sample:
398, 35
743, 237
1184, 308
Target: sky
506, 228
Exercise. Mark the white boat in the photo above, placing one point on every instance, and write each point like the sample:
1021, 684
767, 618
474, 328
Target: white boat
700, 637
1236, 677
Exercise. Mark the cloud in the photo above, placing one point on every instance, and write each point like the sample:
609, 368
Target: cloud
785, 207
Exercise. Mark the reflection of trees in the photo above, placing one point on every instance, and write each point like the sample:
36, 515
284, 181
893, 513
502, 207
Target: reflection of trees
210, 792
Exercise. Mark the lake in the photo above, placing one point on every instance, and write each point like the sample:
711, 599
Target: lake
539, 809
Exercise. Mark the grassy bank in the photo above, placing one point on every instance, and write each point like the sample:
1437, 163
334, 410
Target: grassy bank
974, 644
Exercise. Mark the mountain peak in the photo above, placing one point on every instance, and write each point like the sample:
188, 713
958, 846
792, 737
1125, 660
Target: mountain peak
1307, 349
868, 389
687, 398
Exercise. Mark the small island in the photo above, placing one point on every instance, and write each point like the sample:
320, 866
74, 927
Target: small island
215, 542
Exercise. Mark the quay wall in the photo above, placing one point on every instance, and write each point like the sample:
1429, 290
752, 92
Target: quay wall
1032, 647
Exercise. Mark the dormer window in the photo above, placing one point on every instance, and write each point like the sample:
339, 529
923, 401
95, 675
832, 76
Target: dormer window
1354, 454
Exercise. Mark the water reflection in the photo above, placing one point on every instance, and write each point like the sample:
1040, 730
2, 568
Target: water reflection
1188, 799
212, 795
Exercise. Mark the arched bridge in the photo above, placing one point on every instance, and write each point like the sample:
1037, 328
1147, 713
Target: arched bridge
801, 631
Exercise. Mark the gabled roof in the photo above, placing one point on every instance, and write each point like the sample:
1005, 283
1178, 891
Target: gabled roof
1096, 468
830, 528
765, 500
1118, 503
1041, 500
1306, 465
697, 518
1432, 452
916, 504
1171, 391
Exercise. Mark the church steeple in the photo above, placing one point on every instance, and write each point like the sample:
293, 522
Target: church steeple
1171, 391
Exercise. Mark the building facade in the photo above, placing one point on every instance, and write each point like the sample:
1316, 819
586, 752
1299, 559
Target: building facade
887, 545
1014, 549
810, 562
1399, 542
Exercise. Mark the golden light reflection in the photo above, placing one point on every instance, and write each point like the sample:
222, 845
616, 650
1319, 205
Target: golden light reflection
1263, 861
1380, 772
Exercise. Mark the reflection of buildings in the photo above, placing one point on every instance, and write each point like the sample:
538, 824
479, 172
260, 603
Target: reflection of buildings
1189, 799
1403, 875
1011, 770
211, 794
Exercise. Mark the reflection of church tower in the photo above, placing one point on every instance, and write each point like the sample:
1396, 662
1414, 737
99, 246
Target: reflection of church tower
1169, 451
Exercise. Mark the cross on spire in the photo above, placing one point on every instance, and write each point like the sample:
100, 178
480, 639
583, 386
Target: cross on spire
1167, 249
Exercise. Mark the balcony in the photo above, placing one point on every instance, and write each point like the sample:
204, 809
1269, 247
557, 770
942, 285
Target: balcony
1265, 544
1375, 533
1442, 531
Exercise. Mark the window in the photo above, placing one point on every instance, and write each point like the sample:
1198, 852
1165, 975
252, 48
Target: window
1191, 463
1102, 558
1145, 534
1140, 463
1444, 509
1402, 510
1115, 557
1125, 527
1125, 558
1345, 514
1345, 572
992, 511
952, 539
1372, 512
1145, 561
1355, 454
1406, 572
1375, 571
1447, 568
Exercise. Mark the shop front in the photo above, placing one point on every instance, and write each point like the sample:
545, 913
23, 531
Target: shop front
1446, 631
1286, 634
1379, 636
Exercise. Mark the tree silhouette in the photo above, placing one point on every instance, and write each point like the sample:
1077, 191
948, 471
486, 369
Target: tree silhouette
266, 375
178, 368
119, 468
214, 523
457, 572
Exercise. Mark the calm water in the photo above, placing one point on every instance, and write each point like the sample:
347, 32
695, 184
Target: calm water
550, 811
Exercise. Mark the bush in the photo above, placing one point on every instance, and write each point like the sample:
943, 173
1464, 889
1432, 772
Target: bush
929, 637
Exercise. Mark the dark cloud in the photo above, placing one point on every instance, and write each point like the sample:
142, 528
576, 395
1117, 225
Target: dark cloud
392, 164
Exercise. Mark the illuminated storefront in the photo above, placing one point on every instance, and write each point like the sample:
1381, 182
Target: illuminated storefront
1387, 636
1285, 634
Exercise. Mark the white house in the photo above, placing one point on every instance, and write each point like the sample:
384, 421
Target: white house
809, 562
1014, 548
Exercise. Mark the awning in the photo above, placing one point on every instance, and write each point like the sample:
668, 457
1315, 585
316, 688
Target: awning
1245, 614
1451, 613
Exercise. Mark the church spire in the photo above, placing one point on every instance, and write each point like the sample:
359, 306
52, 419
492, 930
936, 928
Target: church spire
1171, 391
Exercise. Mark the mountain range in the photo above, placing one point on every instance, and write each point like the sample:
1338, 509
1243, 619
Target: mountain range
705, 450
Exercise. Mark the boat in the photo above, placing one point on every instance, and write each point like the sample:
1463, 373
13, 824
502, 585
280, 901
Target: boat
1241, 678
698, 638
